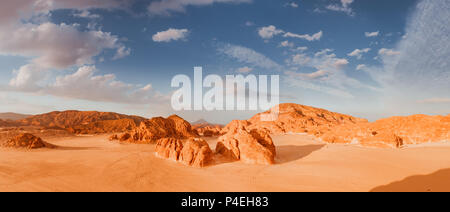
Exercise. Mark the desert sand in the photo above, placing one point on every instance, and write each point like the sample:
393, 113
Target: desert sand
303, 163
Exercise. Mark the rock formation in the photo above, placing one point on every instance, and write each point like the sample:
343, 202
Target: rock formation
294, 118
26, 140
169, 148
192, 152
207, 129
196, 152
150, 131
72, 118
392, 132
106, 126
253, 146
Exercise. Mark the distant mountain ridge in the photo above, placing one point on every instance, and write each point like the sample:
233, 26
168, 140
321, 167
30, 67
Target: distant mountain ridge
79, 122
203, 123
13, 116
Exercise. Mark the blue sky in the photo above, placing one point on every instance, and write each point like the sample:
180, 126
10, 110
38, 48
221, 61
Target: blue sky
371, 59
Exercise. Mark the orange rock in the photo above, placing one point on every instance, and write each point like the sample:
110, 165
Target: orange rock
294, 118
76, 119
206, 129
193, 152
391, 132
384, 139
169, 148
250, 146
113, 137
156, 128
107, 126
124, 137
26, 140
196, 152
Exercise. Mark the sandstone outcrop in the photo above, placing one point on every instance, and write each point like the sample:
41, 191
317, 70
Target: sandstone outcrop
27, 141
74, 119
207, 129
169, 148
295, 118
192, 152
150, 131
106, 126
253, 146
196, 152
392, 132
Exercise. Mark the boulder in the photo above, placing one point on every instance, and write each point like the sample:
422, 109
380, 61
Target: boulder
249, 146
196, 152
169, 148
27, 141
192, 152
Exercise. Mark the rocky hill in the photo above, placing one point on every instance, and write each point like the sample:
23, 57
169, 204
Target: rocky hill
206, 129
393, 131
151, 130
295, 118
13, 116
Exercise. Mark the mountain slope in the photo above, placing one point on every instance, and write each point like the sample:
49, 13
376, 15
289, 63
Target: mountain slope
295, 118
13, 116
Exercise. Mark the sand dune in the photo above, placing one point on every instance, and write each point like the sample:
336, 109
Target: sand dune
302, 164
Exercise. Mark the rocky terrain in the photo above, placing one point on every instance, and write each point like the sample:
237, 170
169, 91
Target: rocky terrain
13, 116
339, 128
393, 131
78, 122
152, 130
207, 129
26, 141
253, 146
295, 118
192, 152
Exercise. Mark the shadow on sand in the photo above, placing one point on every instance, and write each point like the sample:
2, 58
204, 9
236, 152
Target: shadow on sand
436, 182
289, 153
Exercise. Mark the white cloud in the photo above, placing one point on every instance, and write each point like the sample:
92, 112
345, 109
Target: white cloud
361, 67
388, 52
292, 4
86, 14
56, 46
166, 7
14, 11
286, 44
339, 63
170, 35
84, 84
416, 69
343, 7
300, 59
26, 77
122, 52
249, 56
307, 37
329, 77
301, 48
358, 53
372, 34
269, 31
244, 70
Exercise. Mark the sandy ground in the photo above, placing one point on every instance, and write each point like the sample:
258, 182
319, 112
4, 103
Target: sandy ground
303, 164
